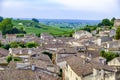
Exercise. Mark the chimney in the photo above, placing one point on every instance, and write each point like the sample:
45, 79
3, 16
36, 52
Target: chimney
84, 61
102, 74
33, 67
95, 72
10, 51
102, 60
90, 56
29, 52
20, 52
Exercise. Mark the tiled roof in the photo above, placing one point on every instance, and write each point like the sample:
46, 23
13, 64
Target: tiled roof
3, 52
55, 45
67, 50
10, 35
82, 67
65, 39
117, 20
25, 51
25, 75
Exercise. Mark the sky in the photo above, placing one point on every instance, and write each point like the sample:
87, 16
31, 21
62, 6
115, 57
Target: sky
60, 9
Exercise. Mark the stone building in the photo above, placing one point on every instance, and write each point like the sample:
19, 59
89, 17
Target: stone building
117, 23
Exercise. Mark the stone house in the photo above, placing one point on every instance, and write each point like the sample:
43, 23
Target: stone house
39, 66
29, 72
11, 37
112, 33
23, 53
117, 23
29, 35
116, 64
46, 36
102, 39
77, 68
3, 52
94, 32
81, 34
111, 45
103, 33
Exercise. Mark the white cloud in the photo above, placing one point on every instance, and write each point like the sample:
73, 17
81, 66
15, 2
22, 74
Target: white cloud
103, 6
89, 5
12, 3
60, 8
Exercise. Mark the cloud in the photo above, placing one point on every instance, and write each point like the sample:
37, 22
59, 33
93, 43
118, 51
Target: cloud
1, 2
60, 8
89, 5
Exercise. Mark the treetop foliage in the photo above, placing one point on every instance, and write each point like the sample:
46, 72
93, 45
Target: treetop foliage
107, 22
108, 55
35, 20
117, 36
1, 18
6, 27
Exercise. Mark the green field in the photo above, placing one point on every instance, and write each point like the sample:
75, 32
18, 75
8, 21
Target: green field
29, 27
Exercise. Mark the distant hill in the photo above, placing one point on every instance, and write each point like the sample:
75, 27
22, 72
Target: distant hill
31, 27
57, 27
66, 23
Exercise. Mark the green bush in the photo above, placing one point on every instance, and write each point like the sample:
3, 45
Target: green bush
109, 55
31, 44
20, 35
17, 59
9, 58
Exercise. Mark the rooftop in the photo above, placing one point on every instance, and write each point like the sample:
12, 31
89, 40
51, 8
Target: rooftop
83, 67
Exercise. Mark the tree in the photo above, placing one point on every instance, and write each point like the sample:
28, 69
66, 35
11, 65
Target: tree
105, 22
6, 25
15, 31
7, 46
9, 58
112, 20
89, 28
1, 18
1, 44
22, 44
14, 45
17, 44
35, 20
31, 44
108, 55
117, 36
17, 59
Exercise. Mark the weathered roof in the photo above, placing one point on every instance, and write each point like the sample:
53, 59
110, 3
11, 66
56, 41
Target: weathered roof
118, 58
25, 75
3, 52
67, 50
16, 71
64, 39
46, 35
3, 61
82, 31
42, 61
10, 35
92, 53
83, 67
117, 20
25, 51
54, 45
